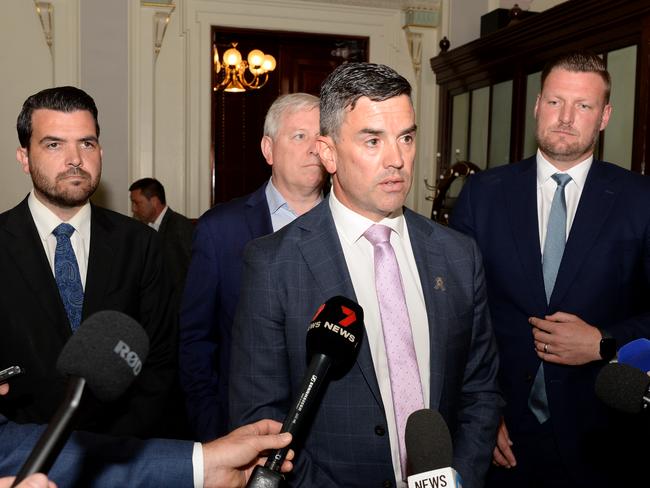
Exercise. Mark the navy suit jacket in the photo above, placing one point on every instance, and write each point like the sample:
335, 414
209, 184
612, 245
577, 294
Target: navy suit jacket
208, 307
96, 461
287, 275
603, 278
124, 274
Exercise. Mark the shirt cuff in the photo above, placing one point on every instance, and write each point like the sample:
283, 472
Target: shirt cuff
197, 464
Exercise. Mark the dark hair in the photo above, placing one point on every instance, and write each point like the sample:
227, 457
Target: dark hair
580, 62
150, 187
61, 99
351, 81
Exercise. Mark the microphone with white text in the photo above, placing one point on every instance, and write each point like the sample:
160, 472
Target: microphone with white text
429, 451
106, 352
333, 338
636, 354
623, 387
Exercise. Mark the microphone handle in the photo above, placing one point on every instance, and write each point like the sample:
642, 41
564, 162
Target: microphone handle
58, 431
312, 382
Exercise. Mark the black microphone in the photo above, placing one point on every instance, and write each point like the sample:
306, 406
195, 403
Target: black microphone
429, 451
333, 338
623, 387
106, 352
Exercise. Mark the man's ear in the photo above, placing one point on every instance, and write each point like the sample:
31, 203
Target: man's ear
536, 104
607, 112
22, 155
267, 149
327, 153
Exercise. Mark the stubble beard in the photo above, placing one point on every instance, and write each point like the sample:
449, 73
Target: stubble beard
564, 151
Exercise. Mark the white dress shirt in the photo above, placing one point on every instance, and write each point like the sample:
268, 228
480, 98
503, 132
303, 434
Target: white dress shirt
546, 190
359, 257
46, 222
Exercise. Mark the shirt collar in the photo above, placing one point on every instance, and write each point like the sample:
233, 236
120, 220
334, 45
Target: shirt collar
578, 173
46, 221
156, 223
274, 198
351, 225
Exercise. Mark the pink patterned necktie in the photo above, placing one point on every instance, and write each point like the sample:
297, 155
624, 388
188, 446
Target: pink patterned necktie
405, 385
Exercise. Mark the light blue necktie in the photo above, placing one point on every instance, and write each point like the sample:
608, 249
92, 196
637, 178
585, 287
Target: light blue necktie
553, 251
66, 274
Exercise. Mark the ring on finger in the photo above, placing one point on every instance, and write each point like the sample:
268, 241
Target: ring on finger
545, 348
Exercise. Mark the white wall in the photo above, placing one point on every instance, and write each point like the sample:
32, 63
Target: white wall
29, 66
104, 75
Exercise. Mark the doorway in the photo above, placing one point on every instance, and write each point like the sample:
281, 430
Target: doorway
303, 61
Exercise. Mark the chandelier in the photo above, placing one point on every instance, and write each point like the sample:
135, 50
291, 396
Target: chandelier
233, 71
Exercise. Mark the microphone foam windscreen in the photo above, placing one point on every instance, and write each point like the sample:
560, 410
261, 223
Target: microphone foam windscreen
336, 329
428, 441
622, 387
108, 351
636, 354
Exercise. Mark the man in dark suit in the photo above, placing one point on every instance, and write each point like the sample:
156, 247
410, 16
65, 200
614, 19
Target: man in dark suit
554, 337
62, 259
448, 353
212, 290
149, 205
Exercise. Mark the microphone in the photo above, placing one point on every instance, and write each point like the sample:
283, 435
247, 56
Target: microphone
623, 387
636, 354
429, 451
333, 337
106, 352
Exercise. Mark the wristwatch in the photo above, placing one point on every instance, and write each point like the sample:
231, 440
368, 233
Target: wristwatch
607, 345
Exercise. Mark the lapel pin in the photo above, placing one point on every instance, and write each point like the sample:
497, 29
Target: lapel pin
439, 284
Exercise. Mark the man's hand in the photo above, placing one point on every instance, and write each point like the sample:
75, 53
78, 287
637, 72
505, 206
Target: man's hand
229, 460
37, 480
502, 454
4, 389
564, 338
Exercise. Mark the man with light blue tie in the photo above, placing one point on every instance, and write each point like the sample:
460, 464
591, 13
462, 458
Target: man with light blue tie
428, 341
565, 240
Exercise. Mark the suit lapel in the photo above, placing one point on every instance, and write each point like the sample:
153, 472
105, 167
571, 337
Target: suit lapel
431, 265
100, 262
321, 249
27, 250
165, 221
520, 192
258, 217
596, 203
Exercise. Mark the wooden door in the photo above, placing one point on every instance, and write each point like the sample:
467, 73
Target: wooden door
303, 62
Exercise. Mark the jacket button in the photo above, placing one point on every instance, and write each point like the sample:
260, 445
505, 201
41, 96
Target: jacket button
379, 430
529, 377
388, 484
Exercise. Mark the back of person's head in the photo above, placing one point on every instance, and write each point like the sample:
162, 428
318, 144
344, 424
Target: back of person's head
150, 187
61, 99
287, 104
580, 62
351, 81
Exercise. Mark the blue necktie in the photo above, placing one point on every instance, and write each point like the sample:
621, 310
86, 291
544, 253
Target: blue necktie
553, 251
66, 274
